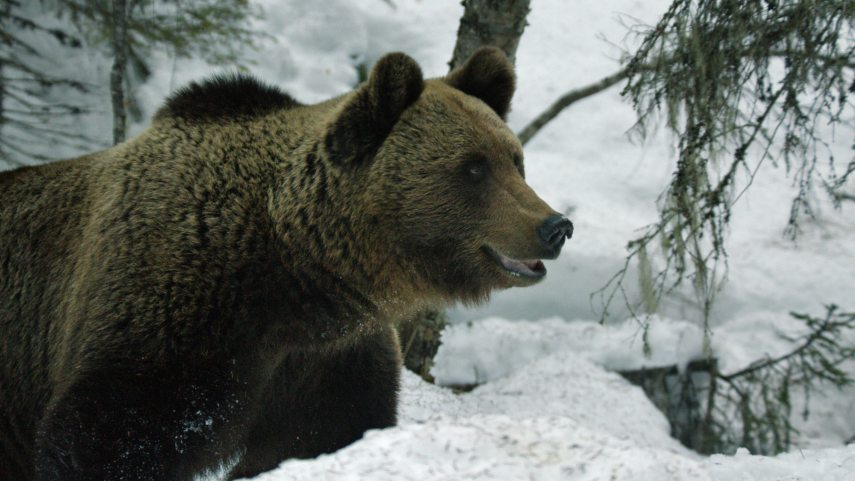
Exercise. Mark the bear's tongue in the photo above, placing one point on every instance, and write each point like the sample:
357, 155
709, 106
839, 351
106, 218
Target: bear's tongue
527, 268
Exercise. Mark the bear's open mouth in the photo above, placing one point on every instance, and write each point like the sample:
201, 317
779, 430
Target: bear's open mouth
529, 268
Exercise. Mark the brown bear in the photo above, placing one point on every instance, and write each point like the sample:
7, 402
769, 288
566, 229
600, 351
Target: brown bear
218, 292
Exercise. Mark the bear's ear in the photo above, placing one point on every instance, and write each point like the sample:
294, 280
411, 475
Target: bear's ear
368, 116
487, 75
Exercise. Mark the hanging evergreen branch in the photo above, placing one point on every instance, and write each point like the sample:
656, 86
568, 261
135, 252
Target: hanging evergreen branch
738, 83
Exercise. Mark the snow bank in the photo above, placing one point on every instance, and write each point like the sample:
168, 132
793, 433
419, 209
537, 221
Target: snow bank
550, 410
541, 449
565, 384
476, 352
493, 447
492, 349
561, 418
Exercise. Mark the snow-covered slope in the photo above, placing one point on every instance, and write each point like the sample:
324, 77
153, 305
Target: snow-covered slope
491, 349
560, 418
550, 411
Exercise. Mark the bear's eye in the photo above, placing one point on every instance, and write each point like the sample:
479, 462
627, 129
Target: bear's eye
476, 170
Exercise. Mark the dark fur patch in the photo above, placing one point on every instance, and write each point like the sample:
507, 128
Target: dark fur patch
225, 97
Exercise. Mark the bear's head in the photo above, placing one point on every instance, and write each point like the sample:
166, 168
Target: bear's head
442, 180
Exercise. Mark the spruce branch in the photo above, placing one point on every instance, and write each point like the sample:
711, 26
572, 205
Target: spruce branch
752, 407
737, 83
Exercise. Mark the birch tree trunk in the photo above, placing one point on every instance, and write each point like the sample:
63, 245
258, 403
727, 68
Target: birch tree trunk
498, 23
119, 33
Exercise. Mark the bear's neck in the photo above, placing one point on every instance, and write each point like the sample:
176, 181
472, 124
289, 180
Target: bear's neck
324, 233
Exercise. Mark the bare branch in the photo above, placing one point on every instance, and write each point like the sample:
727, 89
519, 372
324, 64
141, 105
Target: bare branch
575, 95
566, 100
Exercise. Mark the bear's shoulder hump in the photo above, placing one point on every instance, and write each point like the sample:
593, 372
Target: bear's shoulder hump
225, 97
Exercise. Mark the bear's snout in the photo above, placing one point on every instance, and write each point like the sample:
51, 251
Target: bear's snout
552, 233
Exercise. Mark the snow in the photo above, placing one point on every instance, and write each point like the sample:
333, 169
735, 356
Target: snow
549, 406
536, 425
814, 465
533, 424
489, 349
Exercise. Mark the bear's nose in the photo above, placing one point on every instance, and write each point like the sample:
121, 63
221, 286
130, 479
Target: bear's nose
553, 231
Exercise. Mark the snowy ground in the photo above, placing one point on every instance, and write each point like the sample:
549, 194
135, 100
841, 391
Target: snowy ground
549, 407
561, 418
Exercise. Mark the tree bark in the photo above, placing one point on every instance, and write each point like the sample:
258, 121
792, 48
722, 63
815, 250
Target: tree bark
499, 23
3, 160
119, 32
684, 397
420, 341
7, 8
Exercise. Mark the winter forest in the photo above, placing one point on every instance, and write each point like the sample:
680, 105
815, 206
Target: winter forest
698, 325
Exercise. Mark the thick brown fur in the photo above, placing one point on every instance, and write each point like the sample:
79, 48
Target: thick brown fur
222, 286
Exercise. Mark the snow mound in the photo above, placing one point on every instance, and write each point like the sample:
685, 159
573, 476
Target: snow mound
495, 349
559, 418
493, 447
551, 409
561, 384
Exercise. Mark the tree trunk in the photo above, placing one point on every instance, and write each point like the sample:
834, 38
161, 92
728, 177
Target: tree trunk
6, 10
119, 33
685, 398
420, 341
3, 160
499, 23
